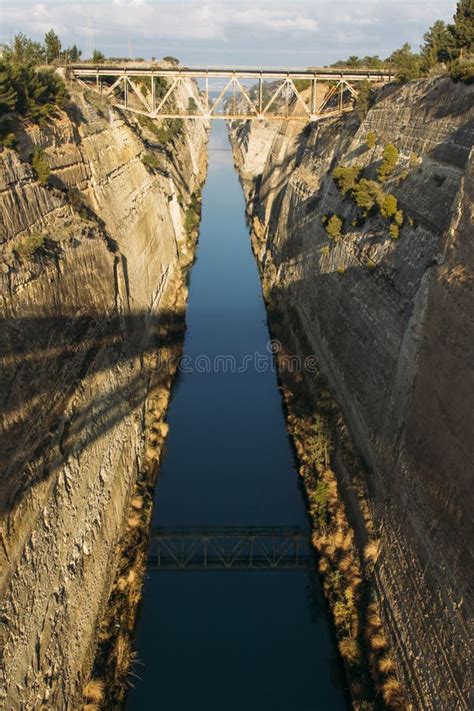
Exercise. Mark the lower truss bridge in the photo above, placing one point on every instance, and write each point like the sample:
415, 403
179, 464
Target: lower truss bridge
231, 94
229, 548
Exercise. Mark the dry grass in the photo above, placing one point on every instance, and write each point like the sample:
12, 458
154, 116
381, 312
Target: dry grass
386, 664
323, 565
91, 707
338, 538
392, 692
133, 521
137, 503
374, 621
124, 657
94, 691
345, 564
377, 641
371, 551
349, 650
348, 541
330, 549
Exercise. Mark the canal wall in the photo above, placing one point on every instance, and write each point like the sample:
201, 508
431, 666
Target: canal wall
93, 293
389, 315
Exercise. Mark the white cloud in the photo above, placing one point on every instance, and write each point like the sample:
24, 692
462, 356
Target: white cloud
318, 30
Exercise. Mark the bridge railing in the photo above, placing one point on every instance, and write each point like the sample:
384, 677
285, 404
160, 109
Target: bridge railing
229, 548
242, 94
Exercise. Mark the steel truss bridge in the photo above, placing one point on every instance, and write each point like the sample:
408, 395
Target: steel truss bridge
243, 94
229, 548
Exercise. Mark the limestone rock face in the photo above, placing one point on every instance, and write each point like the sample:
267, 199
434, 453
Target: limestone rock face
392, 322
91, 267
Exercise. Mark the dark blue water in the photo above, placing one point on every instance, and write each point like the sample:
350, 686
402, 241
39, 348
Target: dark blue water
230, 640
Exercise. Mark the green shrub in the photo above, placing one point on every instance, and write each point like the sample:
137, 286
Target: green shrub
390, 158
398, 217
364, 100
407, 64
346, 178
28, 245
414, 160
150, 161
463, 71
165, 130
334, 227
320, 501
40, 165
191, 220
9, 140
394, 231
371, 139
32, 93
368, 193
193, 214
98, 57
389, 206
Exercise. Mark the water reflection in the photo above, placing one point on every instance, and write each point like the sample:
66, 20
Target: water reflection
214, 640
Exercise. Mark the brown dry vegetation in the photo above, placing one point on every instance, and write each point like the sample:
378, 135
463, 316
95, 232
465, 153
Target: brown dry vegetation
318, 430
94, 691
115, 656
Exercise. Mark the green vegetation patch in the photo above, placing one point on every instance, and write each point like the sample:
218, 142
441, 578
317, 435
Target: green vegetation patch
164, 131
28, 245
334, 227
193, 214
40, 165
368, 195
150, 161
346, 178
463, 71
371, 139
390, 158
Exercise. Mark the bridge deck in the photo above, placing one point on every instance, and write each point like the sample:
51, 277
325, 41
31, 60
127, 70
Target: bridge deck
245, 94
323, 73
229, 548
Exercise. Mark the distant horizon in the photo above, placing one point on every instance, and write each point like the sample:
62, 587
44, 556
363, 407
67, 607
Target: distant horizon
234, 32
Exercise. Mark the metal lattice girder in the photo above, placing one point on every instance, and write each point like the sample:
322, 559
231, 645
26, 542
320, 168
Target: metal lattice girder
229, 548
281, 93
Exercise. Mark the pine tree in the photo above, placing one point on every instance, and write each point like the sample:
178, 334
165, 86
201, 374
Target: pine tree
464, 26
25, 51
73, 53
8, 95
52, 46
406, 63
439, 45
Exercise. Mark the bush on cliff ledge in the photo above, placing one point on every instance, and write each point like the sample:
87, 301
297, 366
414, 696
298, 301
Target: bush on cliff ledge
334, 227
40, 165
390, 158
346, 178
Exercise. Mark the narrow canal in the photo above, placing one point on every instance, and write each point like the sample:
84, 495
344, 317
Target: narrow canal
230, 640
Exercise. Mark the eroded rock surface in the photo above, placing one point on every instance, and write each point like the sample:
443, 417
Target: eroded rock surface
392, 322
80, 317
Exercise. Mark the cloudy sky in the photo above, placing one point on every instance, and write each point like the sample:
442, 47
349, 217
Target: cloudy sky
268, 32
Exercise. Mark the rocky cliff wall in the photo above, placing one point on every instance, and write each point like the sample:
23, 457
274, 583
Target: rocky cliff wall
92, 272
391, 321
